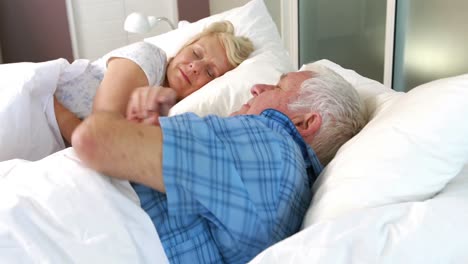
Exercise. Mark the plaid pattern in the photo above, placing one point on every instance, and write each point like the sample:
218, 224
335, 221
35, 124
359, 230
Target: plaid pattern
234, 186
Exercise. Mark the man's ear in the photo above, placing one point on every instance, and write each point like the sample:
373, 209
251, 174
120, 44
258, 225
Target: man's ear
308, 124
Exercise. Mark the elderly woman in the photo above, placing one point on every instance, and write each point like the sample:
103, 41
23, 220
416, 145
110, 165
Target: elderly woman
203, 58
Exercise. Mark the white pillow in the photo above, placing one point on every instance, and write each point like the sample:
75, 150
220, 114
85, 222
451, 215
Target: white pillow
373, 93
414, 144
227, 93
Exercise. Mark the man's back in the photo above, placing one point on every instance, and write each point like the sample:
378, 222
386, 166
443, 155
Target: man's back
233, 186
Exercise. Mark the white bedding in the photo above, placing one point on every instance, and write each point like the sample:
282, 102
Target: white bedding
432, 231
398, 191
57, 211
28, 129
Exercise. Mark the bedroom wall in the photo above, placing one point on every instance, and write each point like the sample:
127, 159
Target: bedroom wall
97, 25
34, 30
193, 10
430, 41
356, 40
39, 30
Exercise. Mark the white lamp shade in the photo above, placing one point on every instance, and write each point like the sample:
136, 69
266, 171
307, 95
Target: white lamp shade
139, 23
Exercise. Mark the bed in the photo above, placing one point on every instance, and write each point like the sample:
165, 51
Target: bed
394, 193
397, 191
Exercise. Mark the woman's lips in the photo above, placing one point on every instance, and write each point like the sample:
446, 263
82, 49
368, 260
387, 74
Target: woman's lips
185, 76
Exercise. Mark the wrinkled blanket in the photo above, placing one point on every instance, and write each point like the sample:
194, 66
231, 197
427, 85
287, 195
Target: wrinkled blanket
28, 128
431, 231
57, 211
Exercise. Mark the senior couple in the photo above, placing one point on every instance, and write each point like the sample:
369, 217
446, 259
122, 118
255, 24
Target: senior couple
217, 189
222, 189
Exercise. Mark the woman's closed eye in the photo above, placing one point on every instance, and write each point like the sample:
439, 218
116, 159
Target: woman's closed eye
210, 73
196, 54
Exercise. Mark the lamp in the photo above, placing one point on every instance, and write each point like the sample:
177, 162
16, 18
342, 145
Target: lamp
139, 23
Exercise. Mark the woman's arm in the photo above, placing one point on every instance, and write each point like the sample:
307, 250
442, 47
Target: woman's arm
121, 78
67, 121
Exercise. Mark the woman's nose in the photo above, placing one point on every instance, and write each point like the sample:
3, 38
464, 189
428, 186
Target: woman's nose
195, 66
257, 89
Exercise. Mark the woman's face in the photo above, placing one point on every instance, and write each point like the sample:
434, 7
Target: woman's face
196, 65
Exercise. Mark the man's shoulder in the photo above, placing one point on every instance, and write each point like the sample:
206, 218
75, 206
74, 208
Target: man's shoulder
246, 120
270, 122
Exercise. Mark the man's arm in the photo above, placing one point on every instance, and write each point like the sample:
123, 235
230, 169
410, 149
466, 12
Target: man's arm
109, 144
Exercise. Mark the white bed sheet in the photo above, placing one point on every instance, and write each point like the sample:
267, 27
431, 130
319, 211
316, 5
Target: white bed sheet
57, 211
433, 231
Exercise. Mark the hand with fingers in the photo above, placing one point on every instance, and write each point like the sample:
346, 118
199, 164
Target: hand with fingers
148, 103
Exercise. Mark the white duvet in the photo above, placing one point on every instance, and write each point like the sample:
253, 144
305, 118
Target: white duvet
28, 128
57, 211
54, 210
432, 231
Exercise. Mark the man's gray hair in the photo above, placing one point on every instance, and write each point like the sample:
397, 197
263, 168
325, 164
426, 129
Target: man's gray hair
342, 110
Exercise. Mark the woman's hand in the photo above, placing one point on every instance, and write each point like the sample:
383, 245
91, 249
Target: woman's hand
147, 104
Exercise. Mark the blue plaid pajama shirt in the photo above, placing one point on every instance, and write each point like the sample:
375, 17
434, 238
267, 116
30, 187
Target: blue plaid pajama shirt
234, 186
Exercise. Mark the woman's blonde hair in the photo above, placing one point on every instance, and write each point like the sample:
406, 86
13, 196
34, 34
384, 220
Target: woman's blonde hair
237, 48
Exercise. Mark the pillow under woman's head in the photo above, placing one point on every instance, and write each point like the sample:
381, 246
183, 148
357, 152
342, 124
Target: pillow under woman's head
238, 48
206, 56
227, 93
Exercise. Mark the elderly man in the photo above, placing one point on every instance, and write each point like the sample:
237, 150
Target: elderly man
223, 189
